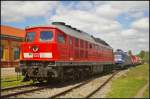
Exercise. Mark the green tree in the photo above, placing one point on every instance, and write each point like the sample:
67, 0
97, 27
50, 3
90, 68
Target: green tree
142, 54
130, 52
146, 57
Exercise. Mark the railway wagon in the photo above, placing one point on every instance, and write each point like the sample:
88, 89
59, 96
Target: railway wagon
136, 60
122, 59
59, 51
140, 61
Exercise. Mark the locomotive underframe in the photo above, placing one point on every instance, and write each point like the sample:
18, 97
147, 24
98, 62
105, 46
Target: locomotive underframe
62, 71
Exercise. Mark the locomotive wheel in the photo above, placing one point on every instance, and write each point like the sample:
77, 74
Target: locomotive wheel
40, 80
88, 73
49, 79
26, 78
81, 75
75, 75
34, 80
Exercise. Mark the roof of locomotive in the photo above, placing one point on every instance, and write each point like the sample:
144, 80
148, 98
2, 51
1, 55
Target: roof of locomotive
121, 52
77, 33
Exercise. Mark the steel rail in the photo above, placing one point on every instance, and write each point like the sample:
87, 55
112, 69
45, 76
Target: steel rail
77, 86
24, 91
101, 86
21, 86
68, 90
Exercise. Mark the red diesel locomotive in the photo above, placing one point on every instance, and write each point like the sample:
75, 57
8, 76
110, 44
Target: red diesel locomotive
60, 51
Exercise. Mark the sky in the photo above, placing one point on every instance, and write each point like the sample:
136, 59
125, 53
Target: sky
122, 24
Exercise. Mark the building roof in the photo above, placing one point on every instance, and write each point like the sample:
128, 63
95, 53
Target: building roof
12, 31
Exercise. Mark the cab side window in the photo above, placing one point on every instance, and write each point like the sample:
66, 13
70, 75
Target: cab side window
76, 42
61, 38
70, 40
90, 46
81, 43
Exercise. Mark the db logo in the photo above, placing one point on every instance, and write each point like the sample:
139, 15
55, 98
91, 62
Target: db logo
35, 48
36, 55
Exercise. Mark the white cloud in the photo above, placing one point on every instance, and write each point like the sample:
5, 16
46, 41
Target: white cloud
13, 11
141, 24
82, 5
85, 19
129, 32
107, 11
97, 18
130, 5
143, 40
132, 8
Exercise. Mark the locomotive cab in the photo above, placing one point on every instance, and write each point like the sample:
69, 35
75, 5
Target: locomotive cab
38, 52
39, 44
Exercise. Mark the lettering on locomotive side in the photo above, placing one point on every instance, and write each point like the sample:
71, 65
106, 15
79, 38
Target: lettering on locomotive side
36, 55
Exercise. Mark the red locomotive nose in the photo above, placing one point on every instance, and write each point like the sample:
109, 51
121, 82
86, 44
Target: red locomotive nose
35, 48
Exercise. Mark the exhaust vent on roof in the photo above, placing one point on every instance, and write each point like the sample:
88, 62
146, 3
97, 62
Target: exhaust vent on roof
79, 30
69, 26
62, 23
58, 23
74, 28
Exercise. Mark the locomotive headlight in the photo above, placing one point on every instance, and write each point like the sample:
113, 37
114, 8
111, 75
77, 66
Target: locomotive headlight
46, 55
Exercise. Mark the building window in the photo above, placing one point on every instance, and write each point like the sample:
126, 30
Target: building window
1, 51
30, 36
16, 53
61, 38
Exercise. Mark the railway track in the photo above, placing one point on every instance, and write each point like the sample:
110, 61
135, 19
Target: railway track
68, 90
101, 86
18, 90
21, 90
82, 84
21, 86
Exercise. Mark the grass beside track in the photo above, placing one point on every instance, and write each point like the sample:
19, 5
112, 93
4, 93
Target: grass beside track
13, 81
128, 85
146, 93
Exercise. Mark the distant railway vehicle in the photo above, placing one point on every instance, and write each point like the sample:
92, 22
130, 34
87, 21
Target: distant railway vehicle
136, 60
60, 51
122, 59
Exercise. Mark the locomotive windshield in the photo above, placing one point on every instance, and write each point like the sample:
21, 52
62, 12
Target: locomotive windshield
118, 57
46, 36
30, 36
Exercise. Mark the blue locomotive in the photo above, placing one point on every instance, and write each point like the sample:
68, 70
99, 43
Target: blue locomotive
122, 59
